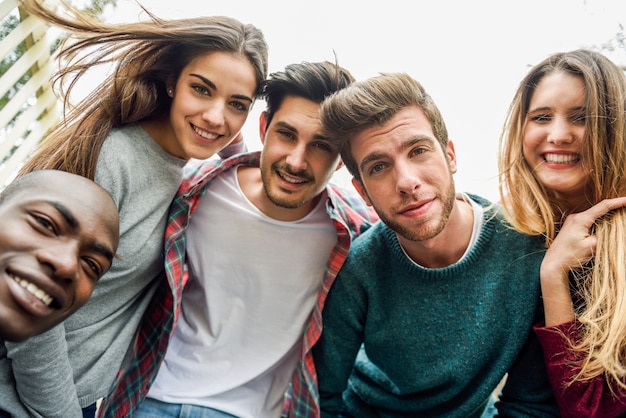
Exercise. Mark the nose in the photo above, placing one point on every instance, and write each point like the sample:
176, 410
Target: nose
214, 114
62, 257
561, 131
407, 178
296, 158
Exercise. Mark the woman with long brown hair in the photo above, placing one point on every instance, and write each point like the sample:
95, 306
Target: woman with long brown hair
179, 89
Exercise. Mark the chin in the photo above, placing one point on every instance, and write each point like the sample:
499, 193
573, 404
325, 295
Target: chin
17, 336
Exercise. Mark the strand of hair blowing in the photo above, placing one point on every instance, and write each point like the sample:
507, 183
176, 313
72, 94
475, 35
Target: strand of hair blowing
603, 318
146, 55
74, 144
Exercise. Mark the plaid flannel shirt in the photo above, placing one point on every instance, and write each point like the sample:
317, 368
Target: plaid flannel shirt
350, 216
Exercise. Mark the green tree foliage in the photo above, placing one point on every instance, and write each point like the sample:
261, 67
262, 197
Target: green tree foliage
615, 48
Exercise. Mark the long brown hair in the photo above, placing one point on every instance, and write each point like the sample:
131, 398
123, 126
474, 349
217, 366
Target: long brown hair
145, 56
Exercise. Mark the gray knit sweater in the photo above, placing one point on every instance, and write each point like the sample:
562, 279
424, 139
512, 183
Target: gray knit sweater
438, 340
90, 346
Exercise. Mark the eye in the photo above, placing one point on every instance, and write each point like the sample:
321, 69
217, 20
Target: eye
240, 106
94, 268
45, 223
198, 88
286, 133
418, 151
376, 168
324, 146
578, 119
541, 118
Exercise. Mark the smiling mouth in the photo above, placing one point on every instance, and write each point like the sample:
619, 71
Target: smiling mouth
561, 158
204, 134
290, 179
33, 290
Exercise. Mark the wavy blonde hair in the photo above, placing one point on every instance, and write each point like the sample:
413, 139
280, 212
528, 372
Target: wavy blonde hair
600, 287
147, 55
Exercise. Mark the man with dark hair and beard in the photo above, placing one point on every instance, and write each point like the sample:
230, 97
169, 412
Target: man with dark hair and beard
256, 241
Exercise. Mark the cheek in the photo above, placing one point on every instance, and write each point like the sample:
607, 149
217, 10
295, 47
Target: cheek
236, 120
530, 140
184, 104
82, 292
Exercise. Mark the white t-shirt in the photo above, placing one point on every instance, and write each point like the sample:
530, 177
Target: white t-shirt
253, 283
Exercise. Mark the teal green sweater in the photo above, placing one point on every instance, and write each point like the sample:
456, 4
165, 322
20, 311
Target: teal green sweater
438, 340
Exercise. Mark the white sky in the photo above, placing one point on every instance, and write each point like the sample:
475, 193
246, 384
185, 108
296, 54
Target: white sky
469, 55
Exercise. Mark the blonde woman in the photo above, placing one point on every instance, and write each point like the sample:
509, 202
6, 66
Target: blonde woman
562, 171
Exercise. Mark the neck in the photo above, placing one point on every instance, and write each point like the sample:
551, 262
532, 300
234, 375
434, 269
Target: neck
449, 245
251, 184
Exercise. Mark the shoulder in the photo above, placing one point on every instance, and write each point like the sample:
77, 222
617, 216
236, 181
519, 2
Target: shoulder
120, 136
350, 206
373, 244
198, 173
130, 144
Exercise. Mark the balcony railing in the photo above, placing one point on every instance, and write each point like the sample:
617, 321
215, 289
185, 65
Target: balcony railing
29, 107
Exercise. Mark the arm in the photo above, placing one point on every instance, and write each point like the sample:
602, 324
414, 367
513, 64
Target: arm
573, 246
43, 375
335, 352
591, 398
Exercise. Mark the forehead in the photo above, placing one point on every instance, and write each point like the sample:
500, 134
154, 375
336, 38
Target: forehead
407, 124
91, 208
224, 69
559, 88
298, 112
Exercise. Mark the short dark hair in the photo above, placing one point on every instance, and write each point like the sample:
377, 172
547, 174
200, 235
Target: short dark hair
310, 80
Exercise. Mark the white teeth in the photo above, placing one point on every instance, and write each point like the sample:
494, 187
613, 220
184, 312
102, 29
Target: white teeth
34, 290
290, 179
561, 159
204, 134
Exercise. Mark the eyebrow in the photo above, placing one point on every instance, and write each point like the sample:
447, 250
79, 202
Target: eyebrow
74, 224
549, 109
66, 213
285, 125
407, 144
214, 87
104, 250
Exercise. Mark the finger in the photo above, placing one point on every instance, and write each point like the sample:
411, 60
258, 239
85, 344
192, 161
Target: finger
602, 208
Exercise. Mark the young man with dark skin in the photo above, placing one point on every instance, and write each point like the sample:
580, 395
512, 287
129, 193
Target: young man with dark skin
59, 235
435, 304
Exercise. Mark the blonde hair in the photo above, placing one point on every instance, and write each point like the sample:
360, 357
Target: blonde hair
147, 55
600, 287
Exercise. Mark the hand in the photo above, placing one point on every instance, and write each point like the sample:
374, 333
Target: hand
573, 247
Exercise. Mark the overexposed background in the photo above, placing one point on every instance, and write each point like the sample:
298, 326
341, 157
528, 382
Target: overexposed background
469, 56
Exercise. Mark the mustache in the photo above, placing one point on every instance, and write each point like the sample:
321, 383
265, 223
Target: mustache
287, 170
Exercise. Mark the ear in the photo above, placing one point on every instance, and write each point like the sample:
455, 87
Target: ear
451, 154
339, 164
358, 185
169, 86
263, 126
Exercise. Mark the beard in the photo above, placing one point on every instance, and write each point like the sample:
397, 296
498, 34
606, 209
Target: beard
423, 229
286, 198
